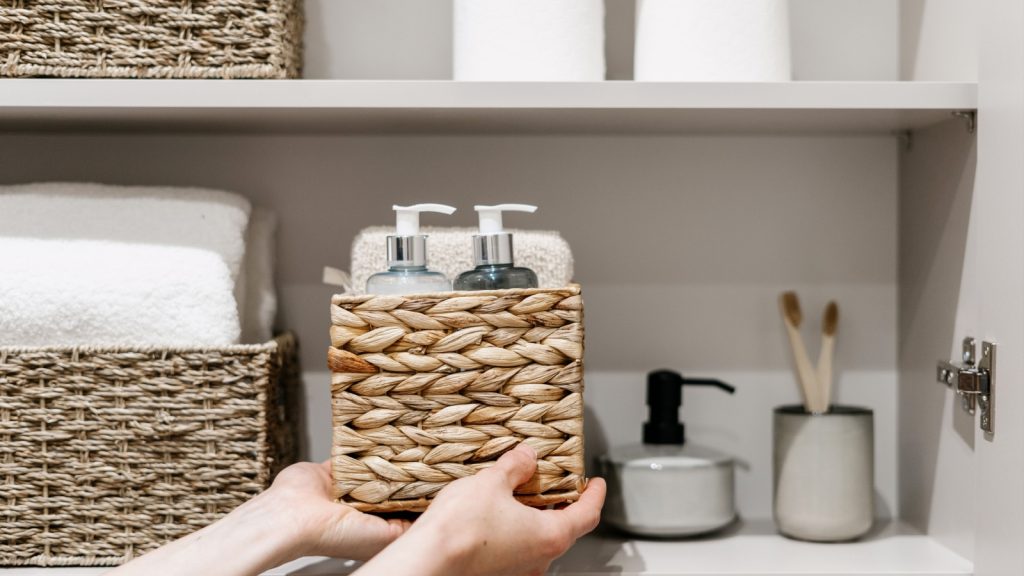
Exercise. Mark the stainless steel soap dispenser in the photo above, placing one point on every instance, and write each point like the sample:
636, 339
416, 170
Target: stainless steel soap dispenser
666, 486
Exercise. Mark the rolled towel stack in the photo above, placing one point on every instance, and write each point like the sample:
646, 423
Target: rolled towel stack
450, 251
712, 40
515, 40
94, 265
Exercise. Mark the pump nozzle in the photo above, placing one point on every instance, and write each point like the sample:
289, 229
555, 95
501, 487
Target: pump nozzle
407, 218
490, 216
492, 245
664, 396
408, 248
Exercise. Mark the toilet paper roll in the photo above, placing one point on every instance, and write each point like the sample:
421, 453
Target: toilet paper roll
712, 40
554, 40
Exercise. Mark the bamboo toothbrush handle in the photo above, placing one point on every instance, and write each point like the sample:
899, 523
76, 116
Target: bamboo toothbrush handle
805, 374
829, 324
828, 344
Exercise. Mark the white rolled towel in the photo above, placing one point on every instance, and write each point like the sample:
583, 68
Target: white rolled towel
553, 40
450, 251
122, 247
712, 40
99, 293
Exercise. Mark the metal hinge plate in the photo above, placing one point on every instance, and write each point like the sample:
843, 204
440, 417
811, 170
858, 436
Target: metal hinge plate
973, 380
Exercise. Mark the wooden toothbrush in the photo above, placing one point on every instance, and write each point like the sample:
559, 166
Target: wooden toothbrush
792, 317
828, 344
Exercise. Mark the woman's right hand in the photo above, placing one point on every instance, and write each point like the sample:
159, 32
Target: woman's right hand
475, 526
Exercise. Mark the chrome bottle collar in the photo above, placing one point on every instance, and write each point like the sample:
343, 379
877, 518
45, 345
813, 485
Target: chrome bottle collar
407, 251
492, 249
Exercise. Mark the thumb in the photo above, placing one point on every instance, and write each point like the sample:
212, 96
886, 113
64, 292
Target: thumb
516, 466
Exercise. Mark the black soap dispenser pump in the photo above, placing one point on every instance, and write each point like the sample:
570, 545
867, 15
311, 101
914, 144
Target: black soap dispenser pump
664, 397
667, 486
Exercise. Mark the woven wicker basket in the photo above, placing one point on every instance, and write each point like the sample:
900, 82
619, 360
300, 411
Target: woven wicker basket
108, 453
430, 388
151, 38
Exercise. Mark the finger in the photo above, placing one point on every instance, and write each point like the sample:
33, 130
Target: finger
361, 536
399, 525
583, 515
516, 466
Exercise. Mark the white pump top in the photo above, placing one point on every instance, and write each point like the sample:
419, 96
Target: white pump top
490, 216
407, 218
493, 245
408, 248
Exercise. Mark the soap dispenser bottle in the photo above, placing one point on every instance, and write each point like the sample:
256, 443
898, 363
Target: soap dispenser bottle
407, 256
492, 251
666, 486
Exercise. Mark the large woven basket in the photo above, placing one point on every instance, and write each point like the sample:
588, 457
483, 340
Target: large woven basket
108, 453
151, 38
430, 388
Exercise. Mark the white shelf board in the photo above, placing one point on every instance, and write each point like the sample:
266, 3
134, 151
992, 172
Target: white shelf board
751, 549
352, 106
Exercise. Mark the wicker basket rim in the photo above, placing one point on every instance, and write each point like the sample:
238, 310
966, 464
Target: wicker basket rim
570, 290
269, 346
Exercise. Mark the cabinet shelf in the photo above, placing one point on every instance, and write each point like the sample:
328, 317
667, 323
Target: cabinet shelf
753, 549
370, 107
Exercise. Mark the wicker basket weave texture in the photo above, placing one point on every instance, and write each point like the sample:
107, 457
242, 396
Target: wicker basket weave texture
430, 388
108, 453
151, 38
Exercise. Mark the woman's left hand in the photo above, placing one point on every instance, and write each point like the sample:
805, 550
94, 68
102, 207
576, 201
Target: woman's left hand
301, 498
295, 517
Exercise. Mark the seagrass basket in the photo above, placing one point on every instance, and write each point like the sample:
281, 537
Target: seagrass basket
108, 453
434, 387
151, 38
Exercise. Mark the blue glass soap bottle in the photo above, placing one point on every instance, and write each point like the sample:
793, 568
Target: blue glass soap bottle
407, 271
492, 251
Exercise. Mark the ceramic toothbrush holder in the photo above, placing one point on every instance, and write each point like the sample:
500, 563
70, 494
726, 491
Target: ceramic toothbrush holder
824, 469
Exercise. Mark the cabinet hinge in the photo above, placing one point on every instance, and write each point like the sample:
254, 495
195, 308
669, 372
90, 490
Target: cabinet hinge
973, 380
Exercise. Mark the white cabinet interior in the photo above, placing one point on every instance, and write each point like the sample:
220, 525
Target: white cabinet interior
682, 244
831, 39
935, 437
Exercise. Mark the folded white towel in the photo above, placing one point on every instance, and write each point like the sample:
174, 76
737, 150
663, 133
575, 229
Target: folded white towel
142, 225
260, 305
97, 293
450, 251
196, 217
